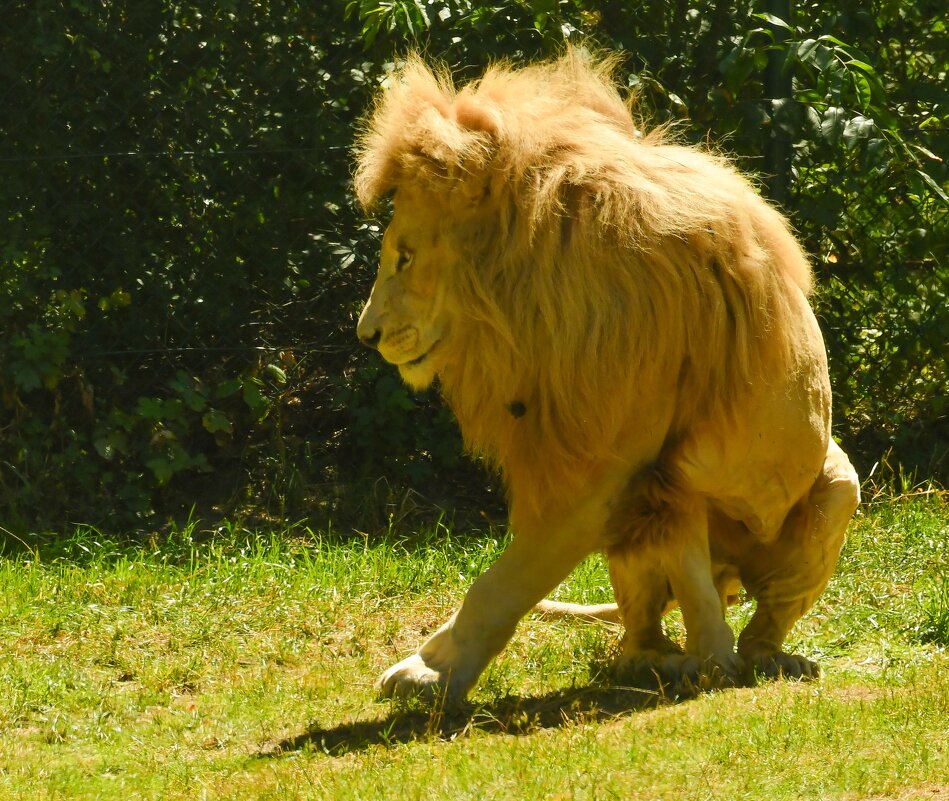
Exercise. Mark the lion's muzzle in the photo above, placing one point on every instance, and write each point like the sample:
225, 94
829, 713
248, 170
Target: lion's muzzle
370, 338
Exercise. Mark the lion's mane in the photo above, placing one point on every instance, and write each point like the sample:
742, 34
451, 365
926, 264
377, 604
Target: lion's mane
600, 269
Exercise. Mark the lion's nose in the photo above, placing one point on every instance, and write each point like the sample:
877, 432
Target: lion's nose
370, 340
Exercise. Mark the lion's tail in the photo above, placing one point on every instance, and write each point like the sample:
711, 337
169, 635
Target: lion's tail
608, 613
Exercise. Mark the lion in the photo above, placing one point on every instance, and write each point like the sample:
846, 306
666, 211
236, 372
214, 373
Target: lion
621, 326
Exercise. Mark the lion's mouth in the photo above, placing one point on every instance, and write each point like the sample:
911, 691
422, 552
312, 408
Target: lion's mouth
419, 359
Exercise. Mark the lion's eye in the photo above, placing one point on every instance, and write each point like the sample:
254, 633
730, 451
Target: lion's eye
405, 259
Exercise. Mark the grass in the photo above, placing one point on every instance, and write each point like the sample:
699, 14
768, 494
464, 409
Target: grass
239, 665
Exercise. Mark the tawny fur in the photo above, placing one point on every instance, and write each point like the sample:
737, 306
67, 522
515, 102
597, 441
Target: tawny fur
621, 325
596, 262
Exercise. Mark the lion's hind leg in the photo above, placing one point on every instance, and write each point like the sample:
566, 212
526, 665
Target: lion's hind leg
786, 576
648, 657
666, 557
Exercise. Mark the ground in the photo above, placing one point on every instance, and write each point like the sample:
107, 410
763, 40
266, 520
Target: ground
230, 664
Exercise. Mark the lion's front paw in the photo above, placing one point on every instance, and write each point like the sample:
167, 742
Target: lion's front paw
412, 678
781, 665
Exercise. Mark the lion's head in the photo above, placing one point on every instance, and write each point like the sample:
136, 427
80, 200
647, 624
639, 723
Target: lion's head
407, 317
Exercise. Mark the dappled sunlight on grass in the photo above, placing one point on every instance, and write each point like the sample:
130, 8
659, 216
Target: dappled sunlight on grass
235, 664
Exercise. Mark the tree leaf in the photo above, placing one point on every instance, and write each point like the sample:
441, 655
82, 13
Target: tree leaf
862, 86
832, 124
861, 65
931, 183
277, 373
806, 50
771, 18
926, 152
833, 40
858, 129
215, 420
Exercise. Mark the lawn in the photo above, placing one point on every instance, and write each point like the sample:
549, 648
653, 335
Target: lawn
231, 664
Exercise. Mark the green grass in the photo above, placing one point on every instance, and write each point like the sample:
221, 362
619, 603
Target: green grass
238, 665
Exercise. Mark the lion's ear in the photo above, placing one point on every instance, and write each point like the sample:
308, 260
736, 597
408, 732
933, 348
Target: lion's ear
474, 170
474, 116
422, 132
470, 190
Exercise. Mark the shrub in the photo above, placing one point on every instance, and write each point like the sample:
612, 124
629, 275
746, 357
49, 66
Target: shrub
182, 263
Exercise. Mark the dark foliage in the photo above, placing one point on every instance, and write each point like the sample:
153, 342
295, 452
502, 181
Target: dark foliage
182, 262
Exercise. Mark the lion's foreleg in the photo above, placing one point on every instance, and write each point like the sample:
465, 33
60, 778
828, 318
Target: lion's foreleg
537, 560
648, 657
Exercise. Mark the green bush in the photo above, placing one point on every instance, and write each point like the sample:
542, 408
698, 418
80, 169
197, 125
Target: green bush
176, 194
182, 262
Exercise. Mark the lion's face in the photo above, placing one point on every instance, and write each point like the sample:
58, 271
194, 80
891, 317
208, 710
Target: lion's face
406, 316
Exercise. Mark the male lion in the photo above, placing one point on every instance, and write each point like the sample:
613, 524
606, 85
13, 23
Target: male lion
621, 326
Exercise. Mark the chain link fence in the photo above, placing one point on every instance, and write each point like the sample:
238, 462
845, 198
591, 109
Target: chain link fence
181, 264
177, 249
